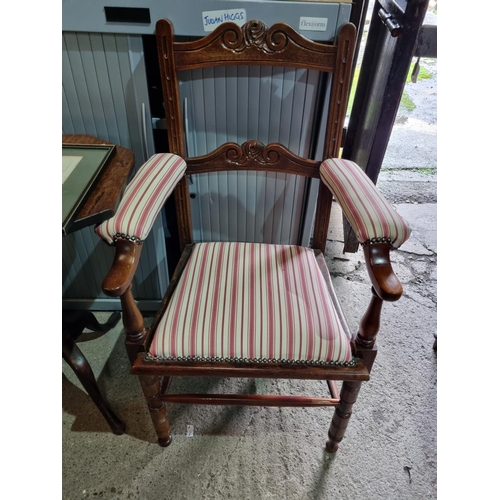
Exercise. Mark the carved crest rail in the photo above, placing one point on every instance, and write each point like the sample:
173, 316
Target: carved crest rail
253, 155
266, 46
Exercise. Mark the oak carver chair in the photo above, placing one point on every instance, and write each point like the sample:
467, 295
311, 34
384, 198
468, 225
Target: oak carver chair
243, 309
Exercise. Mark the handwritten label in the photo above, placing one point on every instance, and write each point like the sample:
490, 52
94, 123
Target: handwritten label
313, 23
211, 19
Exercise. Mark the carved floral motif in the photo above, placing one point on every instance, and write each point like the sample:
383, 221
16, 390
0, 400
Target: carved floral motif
252, 151
255, 34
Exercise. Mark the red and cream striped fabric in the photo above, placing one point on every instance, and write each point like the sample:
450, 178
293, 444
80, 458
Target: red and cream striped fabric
252, 302
370, 214
143, 198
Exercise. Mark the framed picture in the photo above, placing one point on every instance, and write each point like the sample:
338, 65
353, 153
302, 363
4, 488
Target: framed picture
81, 166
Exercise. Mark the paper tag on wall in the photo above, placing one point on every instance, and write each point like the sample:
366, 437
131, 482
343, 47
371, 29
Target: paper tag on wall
313, 23
212, 18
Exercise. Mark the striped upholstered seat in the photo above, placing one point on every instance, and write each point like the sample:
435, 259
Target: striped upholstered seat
371, 216
252, 302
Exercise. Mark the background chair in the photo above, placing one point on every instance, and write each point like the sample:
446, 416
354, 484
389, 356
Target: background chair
243, 309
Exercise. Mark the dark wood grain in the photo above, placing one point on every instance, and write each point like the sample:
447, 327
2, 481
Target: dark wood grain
119, 277
254, 44
151, 387
332, 387
72, 329
248, 400
343, 411
103, 201
250, 370
254, 156
384, 280
370, 323
322, 218
339, 96
133, 324
170, 87
183, 211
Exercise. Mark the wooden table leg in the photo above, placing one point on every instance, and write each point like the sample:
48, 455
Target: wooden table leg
79, 364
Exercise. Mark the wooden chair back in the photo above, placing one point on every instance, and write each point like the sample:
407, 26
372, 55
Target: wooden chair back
255, 45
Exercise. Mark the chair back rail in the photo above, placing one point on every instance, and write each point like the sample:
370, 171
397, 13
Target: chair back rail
253, 156
254, 44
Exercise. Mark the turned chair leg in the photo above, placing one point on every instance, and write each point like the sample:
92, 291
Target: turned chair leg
79, 364
157, 409
340, 420
365, 347
133, 323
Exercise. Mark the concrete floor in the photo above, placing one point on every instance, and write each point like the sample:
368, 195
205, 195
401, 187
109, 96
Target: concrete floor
389, 451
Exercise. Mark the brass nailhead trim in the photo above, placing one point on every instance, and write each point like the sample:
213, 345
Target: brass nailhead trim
151, 358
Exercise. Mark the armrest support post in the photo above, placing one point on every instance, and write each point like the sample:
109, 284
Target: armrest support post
118, 283
370, 323
133, 324
385, 283
386, 286
125, 263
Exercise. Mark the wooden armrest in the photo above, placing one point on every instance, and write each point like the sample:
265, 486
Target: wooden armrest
385, 283
126, 260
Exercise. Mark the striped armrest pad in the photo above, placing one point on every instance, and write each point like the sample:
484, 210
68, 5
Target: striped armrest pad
143, 198
371, 216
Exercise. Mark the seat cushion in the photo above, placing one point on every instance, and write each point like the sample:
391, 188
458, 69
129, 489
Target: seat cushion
250, 302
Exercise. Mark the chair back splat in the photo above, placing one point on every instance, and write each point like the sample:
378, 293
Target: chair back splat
246, 308
255, 45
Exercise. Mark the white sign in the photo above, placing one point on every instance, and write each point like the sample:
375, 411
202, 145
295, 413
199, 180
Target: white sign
211, 19
313, 23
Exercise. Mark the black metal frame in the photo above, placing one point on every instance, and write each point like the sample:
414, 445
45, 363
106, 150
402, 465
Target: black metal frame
391, 44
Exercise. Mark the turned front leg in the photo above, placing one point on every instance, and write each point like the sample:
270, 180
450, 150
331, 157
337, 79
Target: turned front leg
152, 391
365, 349
386, 286
340, 420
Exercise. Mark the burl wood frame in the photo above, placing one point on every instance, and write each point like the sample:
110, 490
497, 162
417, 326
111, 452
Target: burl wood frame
252, 44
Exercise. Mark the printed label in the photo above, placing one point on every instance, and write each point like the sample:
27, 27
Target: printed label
313, 23
211, 19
